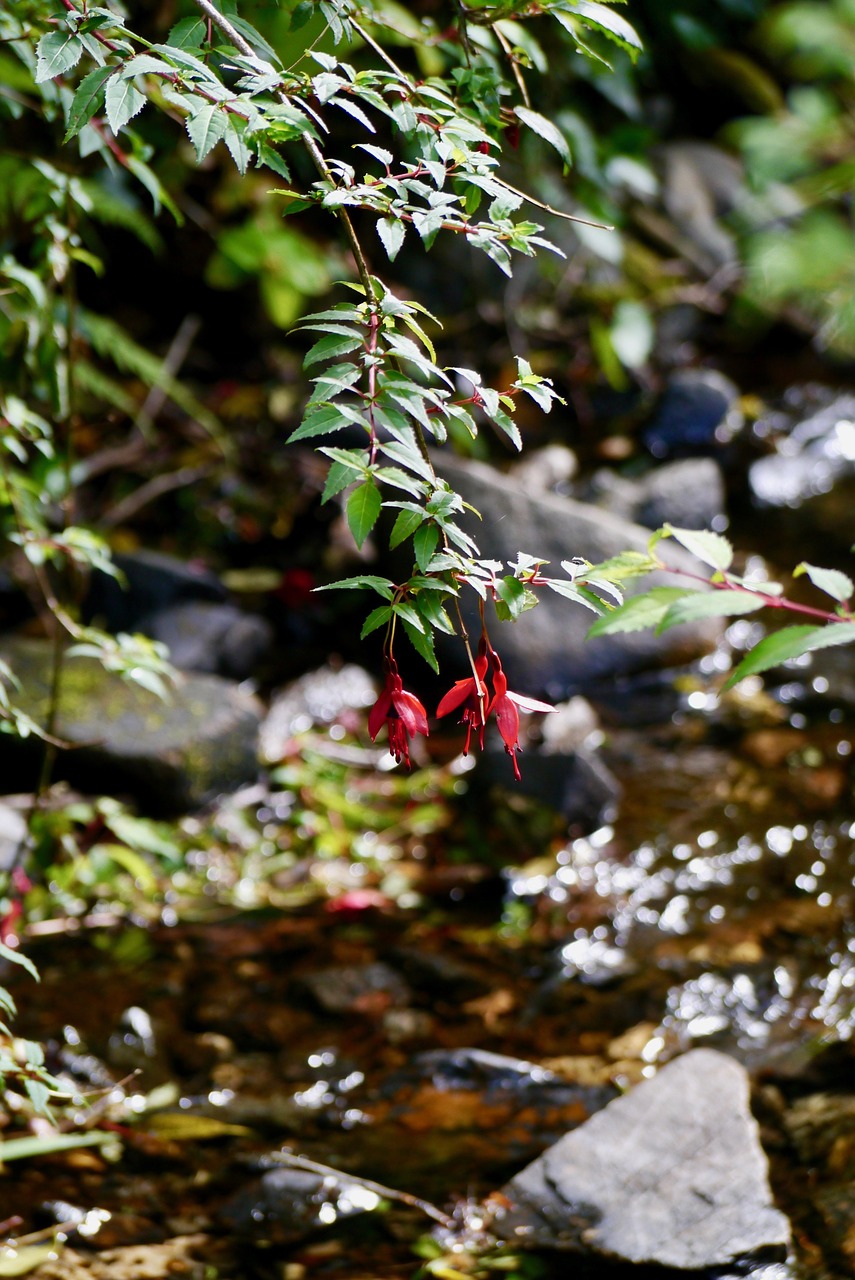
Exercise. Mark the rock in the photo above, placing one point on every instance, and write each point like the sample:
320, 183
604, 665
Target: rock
152, 581
291, 1204
575, 784
319, 697
362, 988
13, 833
211, 636
672, 1174
547, 470
697, 414
545, 652
171, 756
700, 183
688, 494
815, 447
573, 724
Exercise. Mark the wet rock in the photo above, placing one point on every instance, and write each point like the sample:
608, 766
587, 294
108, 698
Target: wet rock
319, 697
152, 581
545, 651
364, 988
211, 636
688, 493
814, 437
822, 1128
13, 832
172, 756
697, 415
287, 1205
671, 1174
572, 725
576, 784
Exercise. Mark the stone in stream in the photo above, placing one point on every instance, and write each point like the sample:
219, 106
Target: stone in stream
672, 1174
171, 756
545, 651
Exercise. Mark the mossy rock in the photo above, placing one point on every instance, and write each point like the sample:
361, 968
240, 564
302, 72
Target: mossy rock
170, 756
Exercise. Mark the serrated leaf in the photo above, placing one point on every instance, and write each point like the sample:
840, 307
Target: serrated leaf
391, 232
696, 605
404, 527
322, 423
789, 642
206, 128
431, 609
425, 542
627, 564
87, 100
235, 140
422, 642
405, 611
189, 33
611, 24
512, 593
383, 586
332, 346
123, 100
339, 477
545, 129
268, 156
711, 548
834, 583
376, 618
58, 51
363, 509
638, 613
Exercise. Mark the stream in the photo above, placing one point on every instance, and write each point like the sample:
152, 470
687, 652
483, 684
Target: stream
435, 1051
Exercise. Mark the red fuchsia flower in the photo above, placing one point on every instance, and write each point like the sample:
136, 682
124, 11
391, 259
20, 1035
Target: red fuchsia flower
400, 711
504, 704
471, 698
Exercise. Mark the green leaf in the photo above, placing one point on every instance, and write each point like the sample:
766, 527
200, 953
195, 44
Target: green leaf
383, 586
235, 140
20, 1261
58, 51
711, 548
339, 477
834, 583
87, 99
605, 20
513, 594
638, 613
123, 101
332, 346
268, 156
545, 129
189, 33
321, 423
422, 642
363, 509
404, 527
696, 605
791, 642
628, 564
425, 542
434, 614
6, 953
391, 232
48, 1144
206, 127
376, 618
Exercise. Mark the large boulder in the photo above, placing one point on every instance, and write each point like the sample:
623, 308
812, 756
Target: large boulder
546, 650
672, 1174
172, 755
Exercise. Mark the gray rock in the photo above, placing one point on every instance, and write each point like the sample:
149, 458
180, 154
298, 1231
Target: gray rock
319, 697
814, 452
575, 784
698, 413
671, 1174
152, 581
13, 833
171, 756
357, 988
688, 493
211, 636
545, 652
550, 469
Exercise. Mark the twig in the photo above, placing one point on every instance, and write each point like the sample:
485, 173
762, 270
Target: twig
387, 1193
172, 362
151, 490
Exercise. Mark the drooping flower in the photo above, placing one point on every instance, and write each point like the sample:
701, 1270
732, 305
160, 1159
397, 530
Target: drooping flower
471, 698
400, 711
504, 705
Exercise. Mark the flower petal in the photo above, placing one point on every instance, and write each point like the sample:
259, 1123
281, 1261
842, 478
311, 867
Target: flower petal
378, 713
457, 694
412, 713
529, 704
508, 721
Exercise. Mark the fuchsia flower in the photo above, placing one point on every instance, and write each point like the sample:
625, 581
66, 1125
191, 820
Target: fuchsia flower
505, 704
471, 698
400, 711
465, 694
